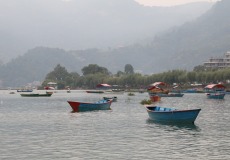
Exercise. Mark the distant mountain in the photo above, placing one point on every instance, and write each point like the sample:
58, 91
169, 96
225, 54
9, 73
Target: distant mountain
194, 42
33, 66
82, 24
181, 47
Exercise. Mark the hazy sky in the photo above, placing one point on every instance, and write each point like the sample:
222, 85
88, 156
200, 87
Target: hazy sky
169, 2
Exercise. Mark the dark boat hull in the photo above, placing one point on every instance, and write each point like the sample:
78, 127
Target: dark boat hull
36, 95
95, 91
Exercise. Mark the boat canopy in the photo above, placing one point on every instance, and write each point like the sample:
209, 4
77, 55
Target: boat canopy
103, 85
212, 86
51, 83
154, 88
159, 84
49, 88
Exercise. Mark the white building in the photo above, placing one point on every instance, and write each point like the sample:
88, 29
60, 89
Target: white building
219, 62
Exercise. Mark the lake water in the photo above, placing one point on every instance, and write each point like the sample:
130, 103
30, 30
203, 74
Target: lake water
44, 128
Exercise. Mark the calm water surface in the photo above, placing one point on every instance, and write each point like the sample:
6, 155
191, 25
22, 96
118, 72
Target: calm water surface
44, 128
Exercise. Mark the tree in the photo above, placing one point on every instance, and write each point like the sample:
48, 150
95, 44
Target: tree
58, 73
119, 73
129, 69
94, 69
199, 68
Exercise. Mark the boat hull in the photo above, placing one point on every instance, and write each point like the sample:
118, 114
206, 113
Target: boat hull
95, 91
155, 98
215, 95
36, 95
84, 107
161, 114
171, 95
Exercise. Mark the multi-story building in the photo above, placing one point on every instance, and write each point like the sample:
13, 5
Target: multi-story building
219, 62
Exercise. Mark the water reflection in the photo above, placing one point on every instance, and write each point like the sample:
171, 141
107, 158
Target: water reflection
174, 126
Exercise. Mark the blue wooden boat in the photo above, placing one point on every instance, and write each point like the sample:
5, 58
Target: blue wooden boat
162, 114
84, 106
215, 95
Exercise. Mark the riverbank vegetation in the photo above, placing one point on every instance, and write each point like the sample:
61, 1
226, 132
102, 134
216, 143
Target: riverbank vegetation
94, 74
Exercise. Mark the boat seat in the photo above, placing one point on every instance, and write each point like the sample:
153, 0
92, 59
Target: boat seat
167, 109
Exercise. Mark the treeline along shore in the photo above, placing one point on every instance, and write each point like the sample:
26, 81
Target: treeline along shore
94, 74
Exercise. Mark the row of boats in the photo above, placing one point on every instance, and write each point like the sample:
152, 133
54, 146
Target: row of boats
212, 91
156, 113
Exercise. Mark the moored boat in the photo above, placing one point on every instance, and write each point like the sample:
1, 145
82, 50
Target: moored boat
95, 91
162, 114
48, 94
172, 95
157, 88
215, 91
84, 106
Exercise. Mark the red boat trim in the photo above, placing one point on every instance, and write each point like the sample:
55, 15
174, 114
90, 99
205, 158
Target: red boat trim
74, 105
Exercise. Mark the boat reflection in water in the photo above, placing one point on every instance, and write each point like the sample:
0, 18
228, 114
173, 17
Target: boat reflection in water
174, 126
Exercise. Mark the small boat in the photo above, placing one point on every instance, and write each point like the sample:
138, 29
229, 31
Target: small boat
215, 91
84, 106
172, 95
131, 94
95, 91
114, 99
48, 94
118, 90
161, 114
25, 90
12, 92
166, 95
215, 95
68, 91
157, 88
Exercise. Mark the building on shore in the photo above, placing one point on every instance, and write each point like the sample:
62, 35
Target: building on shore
219, 63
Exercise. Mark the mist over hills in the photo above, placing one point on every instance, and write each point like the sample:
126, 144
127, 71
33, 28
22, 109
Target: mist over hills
181, 47
83, 24
194, 42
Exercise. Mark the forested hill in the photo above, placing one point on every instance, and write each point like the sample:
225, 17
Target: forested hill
193, 43
34, 65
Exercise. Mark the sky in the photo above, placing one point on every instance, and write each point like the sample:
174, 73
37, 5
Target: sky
169, 2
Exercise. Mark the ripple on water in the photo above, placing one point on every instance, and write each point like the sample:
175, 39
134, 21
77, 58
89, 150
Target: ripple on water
45, 128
